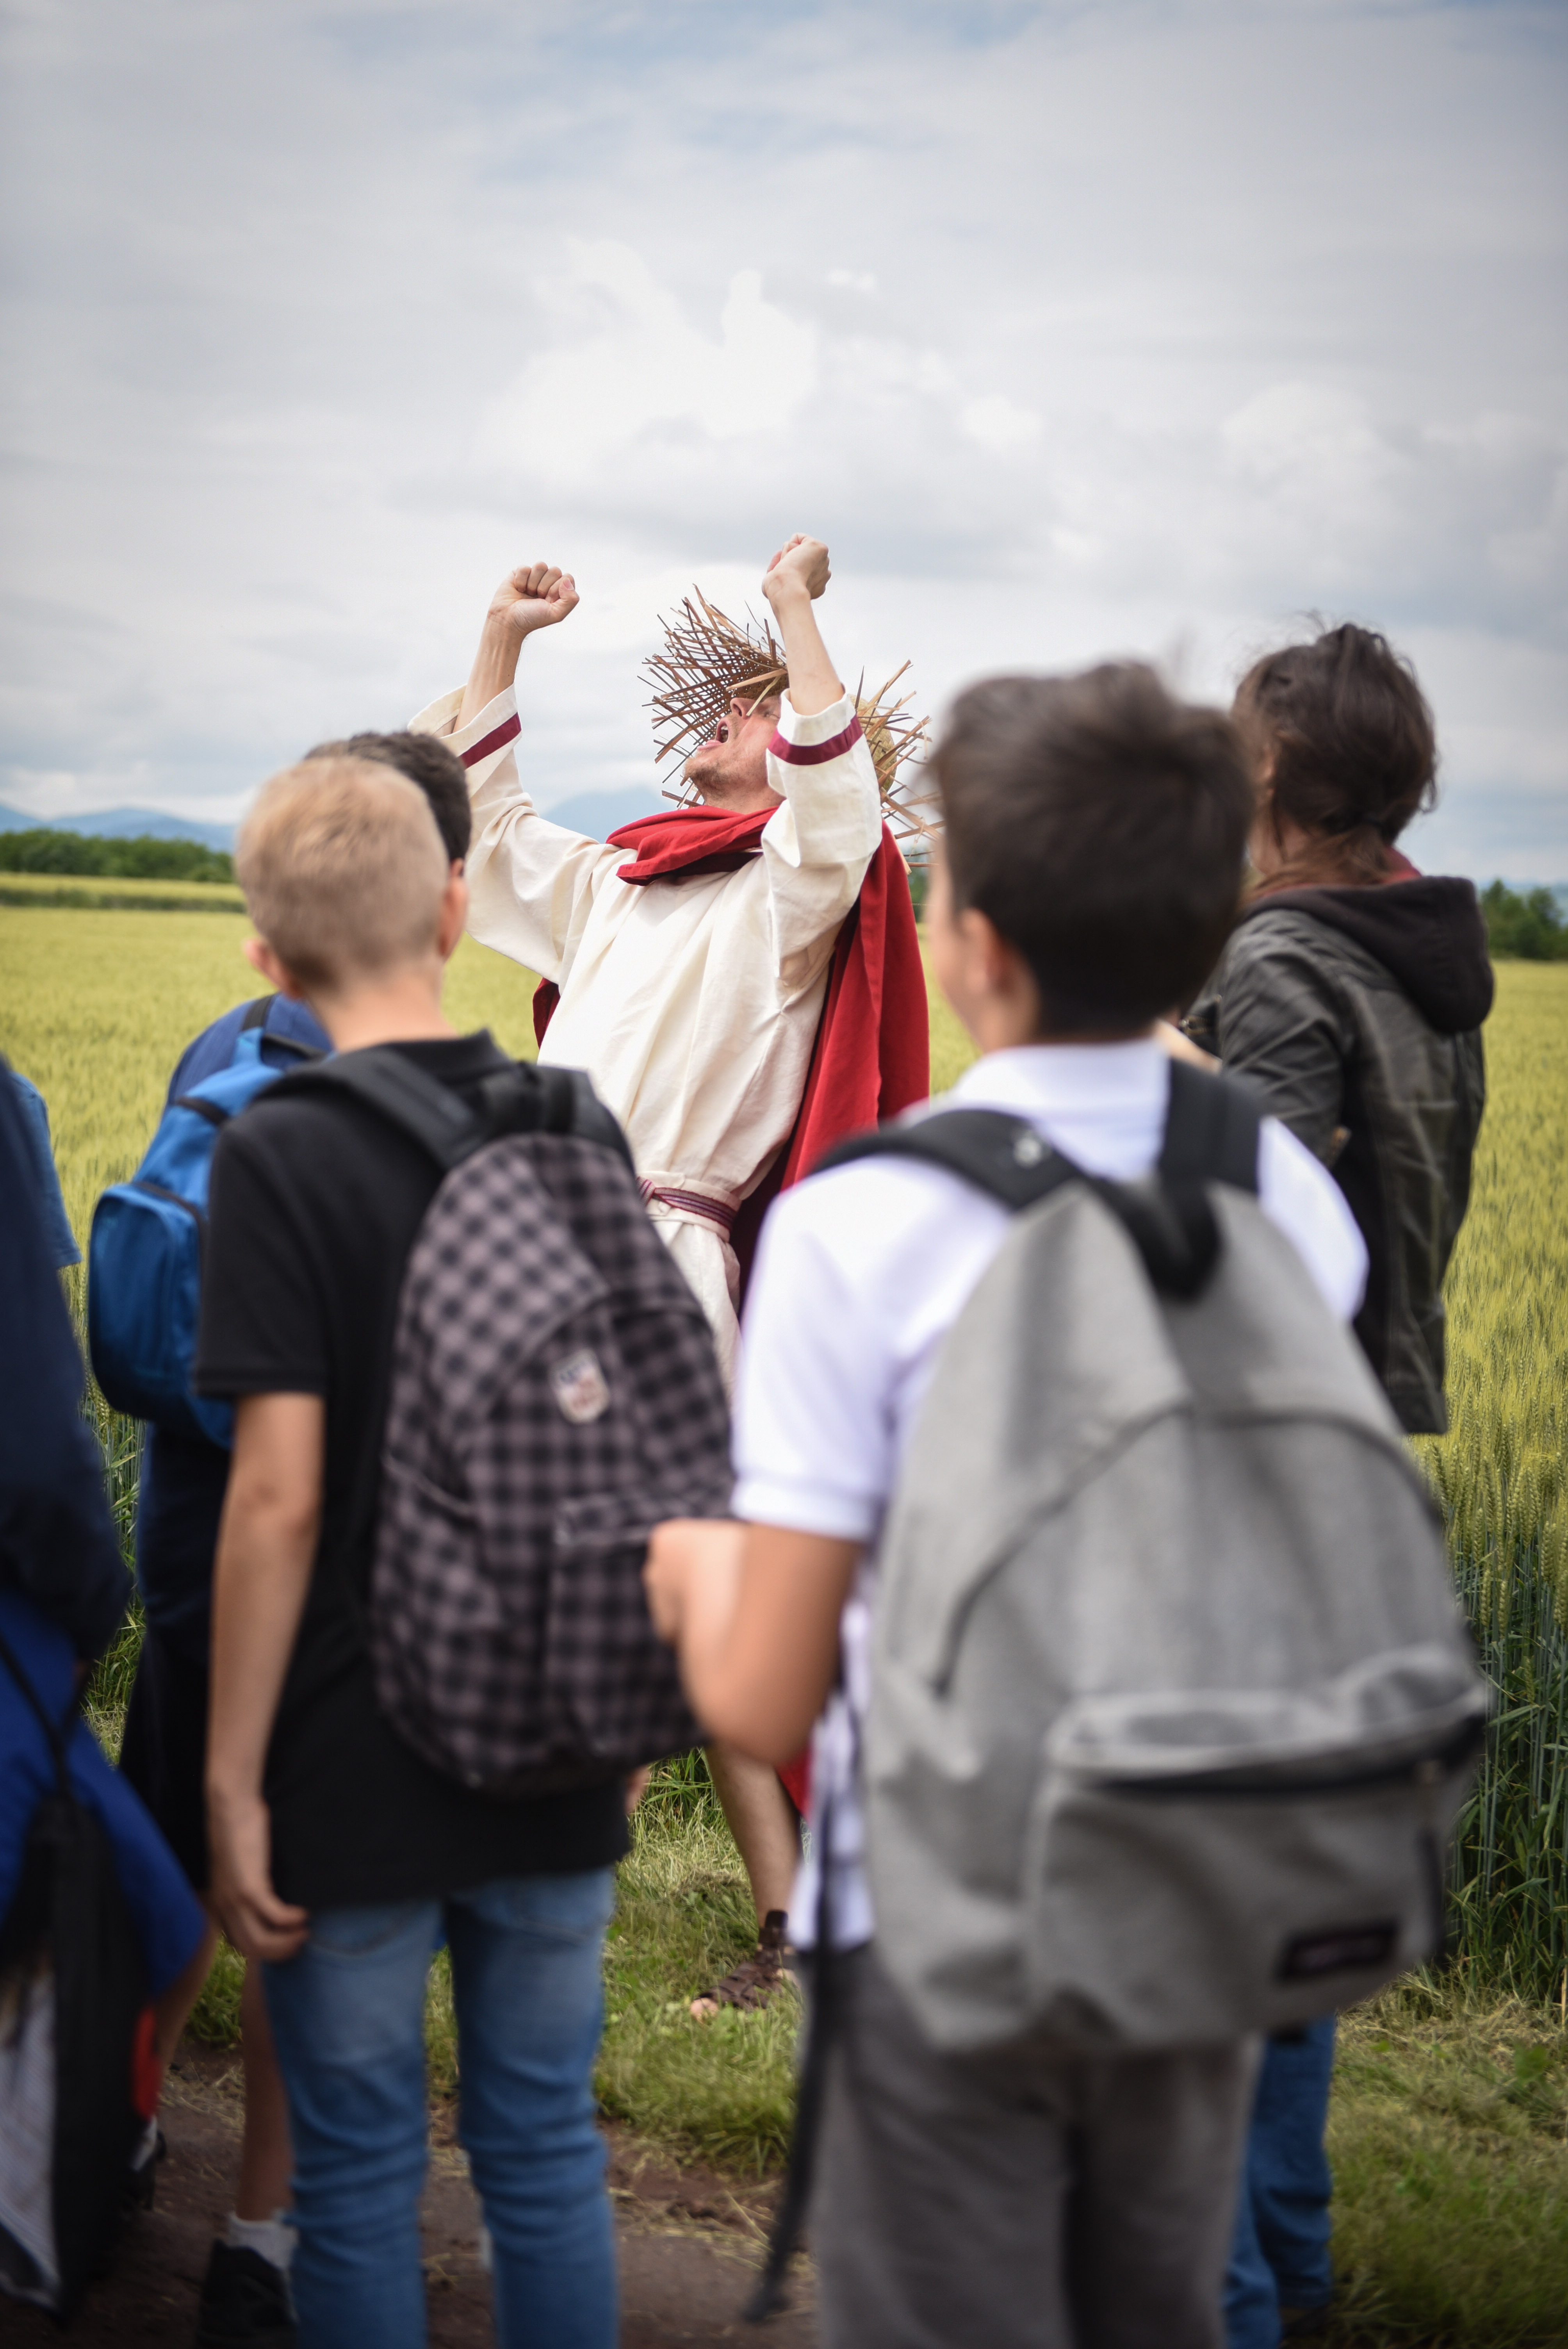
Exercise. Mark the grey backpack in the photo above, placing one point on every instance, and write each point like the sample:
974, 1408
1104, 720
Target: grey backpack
554, 1393
1172, 1706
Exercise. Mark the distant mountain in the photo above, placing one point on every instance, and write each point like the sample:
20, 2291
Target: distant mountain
122, 823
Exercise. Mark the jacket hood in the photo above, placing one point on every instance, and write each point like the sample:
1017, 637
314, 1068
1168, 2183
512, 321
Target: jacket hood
1428, 934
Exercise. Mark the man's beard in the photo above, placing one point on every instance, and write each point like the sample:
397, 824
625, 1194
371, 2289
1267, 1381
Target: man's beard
715, 772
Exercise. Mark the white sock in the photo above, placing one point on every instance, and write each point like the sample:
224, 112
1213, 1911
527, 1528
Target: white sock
145, 2144
272, 2240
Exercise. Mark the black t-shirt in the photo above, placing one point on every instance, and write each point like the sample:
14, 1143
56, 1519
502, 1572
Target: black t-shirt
315, 1207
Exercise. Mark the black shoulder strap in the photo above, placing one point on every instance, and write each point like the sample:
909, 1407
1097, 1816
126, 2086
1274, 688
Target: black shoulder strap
1211, 1136
256, 1012
998, 1154
520, 1099
1210, 1129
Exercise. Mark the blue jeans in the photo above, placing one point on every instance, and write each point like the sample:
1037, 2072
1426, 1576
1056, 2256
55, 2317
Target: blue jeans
348, 2017
1280, 2256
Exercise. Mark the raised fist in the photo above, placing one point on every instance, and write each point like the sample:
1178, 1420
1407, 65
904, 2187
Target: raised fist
800, 563
536, 596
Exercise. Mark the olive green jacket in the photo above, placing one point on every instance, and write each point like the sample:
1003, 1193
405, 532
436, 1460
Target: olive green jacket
1356, 1014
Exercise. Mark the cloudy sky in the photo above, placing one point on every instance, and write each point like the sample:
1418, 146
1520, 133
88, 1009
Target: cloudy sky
1141, 326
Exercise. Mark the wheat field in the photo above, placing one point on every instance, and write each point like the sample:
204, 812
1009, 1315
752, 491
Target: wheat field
96, 1005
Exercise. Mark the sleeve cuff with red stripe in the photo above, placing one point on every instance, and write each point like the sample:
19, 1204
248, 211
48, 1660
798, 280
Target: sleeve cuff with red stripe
816, 754
496, 739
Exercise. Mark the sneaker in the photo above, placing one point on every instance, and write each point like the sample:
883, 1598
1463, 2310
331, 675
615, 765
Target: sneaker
245, 2299
756, 1979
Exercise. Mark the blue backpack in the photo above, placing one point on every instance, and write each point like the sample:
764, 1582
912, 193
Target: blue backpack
149, 1237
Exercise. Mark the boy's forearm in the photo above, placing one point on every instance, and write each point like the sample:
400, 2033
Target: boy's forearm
814, 683
266, 1548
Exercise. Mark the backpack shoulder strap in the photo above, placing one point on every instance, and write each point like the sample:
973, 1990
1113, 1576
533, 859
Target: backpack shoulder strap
1210, 1129
259, 1012
1211, 1136
1001, 1154
520, 1099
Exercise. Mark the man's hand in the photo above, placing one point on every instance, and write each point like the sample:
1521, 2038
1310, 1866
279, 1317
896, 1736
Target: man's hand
801, 563
535, 596
798, 573
258, 1924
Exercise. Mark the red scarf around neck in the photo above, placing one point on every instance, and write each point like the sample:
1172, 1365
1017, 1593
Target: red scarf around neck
675, 843
872, 1053
688, 841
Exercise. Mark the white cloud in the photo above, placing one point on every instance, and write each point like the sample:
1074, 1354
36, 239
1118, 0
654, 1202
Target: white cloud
1065, 332
999, 425
635, 361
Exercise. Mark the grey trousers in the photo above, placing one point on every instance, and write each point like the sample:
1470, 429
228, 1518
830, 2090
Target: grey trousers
1024, 2200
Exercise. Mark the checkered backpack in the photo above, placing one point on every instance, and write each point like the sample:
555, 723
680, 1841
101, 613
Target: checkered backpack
554, 1394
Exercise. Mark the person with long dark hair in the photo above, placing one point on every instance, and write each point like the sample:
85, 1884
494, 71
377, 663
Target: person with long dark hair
1352, 994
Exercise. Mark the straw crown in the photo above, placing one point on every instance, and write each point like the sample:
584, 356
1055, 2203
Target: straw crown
707, 661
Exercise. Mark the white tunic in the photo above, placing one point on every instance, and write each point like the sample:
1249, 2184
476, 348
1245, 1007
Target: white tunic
693, 1004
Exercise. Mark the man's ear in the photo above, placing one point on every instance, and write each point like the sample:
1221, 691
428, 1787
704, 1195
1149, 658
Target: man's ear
273, 967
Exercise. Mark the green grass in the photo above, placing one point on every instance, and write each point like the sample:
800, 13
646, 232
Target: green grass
722, 2091
1449, 2135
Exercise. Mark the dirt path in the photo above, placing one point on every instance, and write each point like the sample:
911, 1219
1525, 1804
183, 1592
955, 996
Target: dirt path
688, 2242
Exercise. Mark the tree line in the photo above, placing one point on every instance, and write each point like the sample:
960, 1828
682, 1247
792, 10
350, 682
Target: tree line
143, 858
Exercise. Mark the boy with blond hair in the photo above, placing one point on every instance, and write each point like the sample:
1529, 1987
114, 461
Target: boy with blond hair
340, 1857
244, 2294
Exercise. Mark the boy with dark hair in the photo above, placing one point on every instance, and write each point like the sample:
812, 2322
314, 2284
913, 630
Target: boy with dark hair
244, 2297
1090, 869
340, 1857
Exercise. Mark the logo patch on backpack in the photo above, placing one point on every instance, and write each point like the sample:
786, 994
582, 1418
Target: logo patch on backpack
579, 1387
1337, 1950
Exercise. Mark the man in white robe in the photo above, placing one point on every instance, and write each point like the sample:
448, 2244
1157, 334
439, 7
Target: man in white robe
692, 999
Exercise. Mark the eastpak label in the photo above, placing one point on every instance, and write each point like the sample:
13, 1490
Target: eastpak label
1338, 1949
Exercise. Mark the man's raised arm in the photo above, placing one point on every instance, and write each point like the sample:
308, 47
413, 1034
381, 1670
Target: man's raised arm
539, 596
529, 881
820, 760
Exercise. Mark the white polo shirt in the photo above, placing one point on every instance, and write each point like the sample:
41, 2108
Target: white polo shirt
861, 1274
